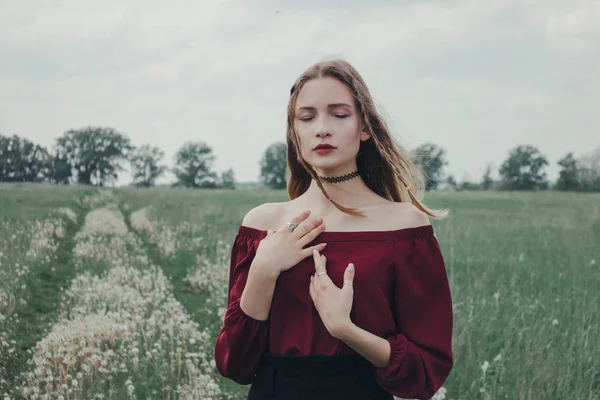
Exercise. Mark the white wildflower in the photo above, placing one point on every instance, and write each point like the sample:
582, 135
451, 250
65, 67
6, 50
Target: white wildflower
485, 366
440, 394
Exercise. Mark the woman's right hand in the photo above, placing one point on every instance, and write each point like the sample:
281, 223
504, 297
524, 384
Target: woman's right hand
281, 250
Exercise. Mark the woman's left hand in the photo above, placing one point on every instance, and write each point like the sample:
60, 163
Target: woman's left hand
332, 303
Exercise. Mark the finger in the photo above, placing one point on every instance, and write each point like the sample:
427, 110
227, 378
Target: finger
323, 280
304, 228
349, 278
312, 289
316, 294
349, 272
309, 250
314, 229
297, 219
318, 258
270, 232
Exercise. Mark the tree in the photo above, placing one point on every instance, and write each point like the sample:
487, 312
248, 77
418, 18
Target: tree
466, 184
22, 160
228, 179
273, 166
59, 168
145, 165
193, 164
431, 159
524, 170
568, 178
95, 153
451, 182
487, 183
589, 171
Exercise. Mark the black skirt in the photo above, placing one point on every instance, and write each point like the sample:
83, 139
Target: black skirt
315, 377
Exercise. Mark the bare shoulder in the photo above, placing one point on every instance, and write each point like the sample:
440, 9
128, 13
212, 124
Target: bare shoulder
407, 215
263, 216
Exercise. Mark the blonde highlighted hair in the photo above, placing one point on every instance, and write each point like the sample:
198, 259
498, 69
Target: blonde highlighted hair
385, 167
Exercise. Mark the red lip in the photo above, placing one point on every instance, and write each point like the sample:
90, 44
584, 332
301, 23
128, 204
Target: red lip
324, 150
324, 146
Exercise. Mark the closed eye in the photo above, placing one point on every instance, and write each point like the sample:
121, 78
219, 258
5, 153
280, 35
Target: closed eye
340, 116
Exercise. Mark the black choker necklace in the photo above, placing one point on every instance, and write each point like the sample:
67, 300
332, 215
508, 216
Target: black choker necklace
337, 179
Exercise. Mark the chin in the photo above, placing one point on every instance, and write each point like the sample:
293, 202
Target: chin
330, 166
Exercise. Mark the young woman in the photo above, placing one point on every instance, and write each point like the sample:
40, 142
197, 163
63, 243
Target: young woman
341, 292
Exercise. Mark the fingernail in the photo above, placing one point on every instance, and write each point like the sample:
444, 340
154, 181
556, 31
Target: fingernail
323, 244
307, 211
351, 267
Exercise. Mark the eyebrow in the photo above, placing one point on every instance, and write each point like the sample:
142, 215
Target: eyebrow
334, 105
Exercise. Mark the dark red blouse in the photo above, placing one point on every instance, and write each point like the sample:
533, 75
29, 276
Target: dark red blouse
401, 293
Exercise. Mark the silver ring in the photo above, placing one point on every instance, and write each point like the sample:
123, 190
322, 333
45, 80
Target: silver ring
347, 282
292, 226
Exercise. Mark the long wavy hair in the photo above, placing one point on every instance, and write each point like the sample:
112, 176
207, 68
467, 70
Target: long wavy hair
383, 164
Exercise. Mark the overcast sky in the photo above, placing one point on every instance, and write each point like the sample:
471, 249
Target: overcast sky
475, 77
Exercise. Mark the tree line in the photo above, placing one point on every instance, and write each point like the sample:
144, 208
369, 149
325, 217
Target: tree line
96, 155
523, 169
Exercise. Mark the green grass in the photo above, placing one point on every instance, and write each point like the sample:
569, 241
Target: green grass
523, 267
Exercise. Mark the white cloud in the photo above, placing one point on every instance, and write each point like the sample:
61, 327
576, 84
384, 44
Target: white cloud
580, 21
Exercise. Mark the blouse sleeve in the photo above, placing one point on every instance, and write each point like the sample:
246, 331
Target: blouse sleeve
421, 349
242, 339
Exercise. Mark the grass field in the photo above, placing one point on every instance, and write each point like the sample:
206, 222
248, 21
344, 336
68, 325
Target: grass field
119, 294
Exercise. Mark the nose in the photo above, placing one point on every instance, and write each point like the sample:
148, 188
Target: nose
322, 130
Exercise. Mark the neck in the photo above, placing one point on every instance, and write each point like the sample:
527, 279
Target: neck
350, 193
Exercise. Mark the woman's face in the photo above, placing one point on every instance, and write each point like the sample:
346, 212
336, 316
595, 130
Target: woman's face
325, 114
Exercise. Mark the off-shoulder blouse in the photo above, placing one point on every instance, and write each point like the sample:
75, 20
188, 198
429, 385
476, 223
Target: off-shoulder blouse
401, 293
